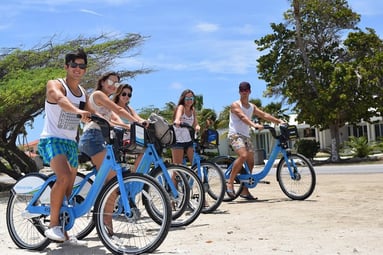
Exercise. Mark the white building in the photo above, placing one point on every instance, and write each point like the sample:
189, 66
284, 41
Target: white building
263, 139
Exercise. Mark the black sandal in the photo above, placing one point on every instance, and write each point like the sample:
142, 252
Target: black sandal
230, 192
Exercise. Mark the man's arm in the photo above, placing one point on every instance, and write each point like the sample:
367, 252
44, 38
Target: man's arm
235, 108
266, 116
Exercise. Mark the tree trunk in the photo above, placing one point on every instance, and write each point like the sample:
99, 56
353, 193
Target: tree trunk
18, 163
334, 133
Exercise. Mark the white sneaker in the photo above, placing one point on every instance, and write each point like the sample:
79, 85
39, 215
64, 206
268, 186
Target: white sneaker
74, 241
55, 233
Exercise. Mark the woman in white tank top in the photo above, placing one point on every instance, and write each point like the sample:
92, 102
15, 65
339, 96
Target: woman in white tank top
184, 113
92, 141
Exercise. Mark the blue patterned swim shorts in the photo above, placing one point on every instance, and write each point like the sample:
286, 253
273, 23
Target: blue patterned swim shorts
53, 146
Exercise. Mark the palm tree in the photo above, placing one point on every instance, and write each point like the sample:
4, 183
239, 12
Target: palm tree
207, 118
276, 110
168, 111
198, 103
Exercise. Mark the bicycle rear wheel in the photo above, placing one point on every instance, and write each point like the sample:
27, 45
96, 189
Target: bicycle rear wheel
190, 200
214, 185
300, 183
225, 163
133, 232
26, 230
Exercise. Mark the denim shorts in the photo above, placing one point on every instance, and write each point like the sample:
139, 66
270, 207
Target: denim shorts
182, 145
91, 142
52, 146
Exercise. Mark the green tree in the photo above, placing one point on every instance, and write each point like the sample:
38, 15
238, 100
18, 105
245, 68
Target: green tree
327, 81
23, 76
223, 118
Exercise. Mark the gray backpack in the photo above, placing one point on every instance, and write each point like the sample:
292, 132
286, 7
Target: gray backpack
163, 131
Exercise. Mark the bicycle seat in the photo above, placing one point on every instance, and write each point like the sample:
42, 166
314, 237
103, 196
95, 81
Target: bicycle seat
83, 158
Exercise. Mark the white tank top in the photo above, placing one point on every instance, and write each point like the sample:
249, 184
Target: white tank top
59, 123
236, 125
105, 112
183, 134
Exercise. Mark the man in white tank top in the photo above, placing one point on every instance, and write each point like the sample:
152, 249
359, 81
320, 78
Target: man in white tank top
241, 113
65, 100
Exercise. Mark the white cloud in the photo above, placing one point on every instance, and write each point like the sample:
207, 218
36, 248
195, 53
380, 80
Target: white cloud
176, 85
207, 27
246, 29
91, 12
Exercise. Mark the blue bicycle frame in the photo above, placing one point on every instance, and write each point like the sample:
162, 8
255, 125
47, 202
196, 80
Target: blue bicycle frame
251, 180
150, 157
77, 210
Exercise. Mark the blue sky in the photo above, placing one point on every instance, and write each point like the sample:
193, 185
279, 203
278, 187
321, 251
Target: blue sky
207, 46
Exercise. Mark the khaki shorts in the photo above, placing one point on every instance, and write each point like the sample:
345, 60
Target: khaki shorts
238, 141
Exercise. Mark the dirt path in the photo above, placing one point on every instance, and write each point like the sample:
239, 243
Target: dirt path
343, 216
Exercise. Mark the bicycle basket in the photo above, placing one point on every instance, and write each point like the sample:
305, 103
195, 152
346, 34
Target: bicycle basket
210, 139
289, 132
163, 131
132, 141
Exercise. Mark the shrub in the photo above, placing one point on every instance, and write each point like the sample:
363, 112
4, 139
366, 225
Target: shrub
359, 146
308, 148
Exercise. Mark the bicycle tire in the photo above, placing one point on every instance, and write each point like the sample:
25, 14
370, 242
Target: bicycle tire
178, 204
26, 232
302, 185
214, 185
136, 233
193, 199
224, 162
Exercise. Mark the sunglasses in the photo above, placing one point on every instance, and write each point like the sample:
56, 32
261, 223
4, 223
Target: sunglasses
189, 98
244, 90
111, 82
124, 94
74, 65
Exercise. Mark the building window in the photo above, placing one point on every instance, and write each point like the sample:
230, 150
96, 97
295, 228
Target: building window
357, 131
309, 132
378, 131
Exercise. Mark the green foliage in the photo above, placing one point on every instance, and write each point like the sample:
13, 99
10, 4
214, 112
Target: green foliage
359, 146
23, 77
308, 148
309, 65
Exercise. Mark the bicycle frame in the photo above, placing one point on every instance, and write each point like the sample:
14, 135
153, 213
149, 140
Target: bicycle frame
251, 180
77, 210
151, 156
197, 161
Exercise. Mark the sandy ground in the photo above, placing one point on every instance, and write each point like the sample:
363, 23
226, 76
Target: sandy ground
343, 216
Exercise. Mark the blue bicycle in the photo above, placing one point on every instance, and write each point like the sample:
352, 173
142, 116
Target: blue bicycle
211, 175
182, 185
295, 173
135, 196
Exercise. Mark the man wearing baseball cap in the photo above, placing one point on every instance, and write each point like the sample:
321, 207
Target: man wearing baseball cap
241, 114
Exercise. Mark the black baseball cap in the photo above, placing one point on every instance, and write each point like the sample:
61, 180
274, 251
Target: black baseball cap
244, 85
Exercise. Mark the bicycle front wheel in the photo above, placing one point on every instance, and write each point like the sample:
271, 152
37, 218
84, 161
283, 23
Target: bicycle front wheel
214, 185
296, 177
27, 230
132, 230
